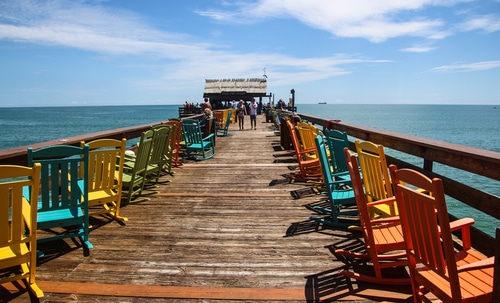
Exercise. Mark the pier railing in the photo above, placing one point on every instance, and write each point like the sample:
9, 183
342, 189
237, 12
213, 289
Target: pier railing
473, 160
477, 161
18, 155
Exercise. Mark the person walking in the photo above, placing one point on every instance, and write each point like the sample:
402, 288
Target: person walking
242, 111
253, 114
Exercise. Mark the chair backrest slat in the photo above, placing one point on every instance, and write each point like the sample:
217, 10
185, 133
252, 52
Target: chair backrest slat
337, 141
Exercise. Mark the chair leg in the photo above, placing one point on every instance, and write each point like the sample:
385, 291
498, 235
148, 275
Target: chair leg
34, 288
85, 239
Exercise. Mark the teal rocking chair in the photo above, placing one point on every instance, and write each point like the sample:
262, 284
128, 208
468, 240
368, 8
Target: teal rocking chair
197, 146
63, 210
336, 192
337, 141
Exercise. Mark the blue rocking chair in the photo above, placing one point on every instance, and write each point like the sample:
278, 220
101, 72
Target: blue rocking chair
337, 141
197, 146
63, 201
337, 194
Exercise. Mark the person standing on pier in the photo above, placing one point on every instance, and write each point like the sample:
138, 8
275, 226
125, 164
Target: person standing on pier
253, 114
242, 111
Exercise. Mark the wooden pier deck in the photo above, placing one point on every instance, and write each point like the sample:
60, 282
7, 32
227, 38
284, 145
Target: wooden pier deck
225, 229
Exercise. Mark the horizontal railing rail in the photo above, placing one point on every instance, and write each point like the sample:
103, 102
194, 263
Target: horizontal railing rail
18, 155
477, 161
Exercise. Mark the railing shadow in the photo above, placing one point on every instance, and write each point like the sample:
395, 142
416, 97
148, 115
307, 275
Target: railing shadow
330, 286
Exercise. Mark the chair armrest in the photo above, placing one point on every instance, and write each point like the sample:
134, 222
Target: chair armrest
338, 185
209, 136
463, 225
306, 151
486, 263
389, 200
394, 219
129, 157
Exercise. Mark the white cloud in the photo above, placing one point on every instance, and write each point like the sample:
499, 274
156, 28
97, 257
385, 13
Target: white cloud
418, 49
102, 30
468, 67
374, 20
94, 28
487, 23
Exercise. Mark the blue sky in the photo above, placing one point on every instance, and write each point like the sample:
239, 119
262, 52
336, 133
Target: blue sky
128, 52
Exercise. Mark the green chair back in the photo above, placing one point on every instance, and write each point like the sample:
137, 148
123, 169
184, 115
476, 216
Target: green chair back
134, 178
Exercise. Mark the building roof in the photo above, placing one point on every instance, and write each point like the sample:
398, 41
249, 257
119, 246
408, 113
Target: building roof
234, 89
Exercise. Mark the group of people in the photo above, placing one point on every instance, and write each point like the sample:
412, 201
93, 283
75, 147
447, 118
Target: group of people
241, 111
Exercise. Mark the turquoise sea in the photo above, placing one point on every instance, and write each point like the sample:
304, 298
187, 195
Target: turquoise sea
470, 125
27, 125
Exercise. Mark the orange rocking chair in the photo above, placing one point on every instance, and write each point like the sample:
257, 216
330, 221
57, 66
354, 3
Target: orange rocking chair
384, 240
437, 269
310, 168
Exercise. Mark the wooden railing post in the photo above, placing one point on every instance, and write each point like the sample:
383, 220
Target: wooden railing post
428, 165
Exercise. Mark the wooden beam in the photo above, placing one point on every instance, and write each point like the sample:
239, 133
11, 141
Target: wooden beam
170, 292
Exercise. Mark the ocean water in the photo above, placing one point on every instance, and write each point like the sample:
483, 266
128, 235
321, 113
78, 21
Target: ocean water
29, 125
470, 125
